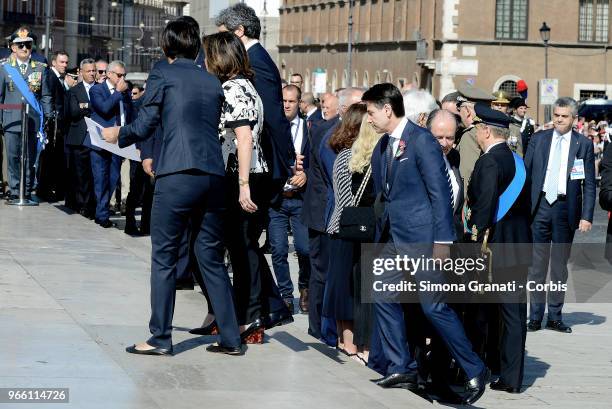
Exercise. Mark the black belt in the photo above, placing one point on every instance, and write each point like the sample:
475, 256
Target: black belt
560, 198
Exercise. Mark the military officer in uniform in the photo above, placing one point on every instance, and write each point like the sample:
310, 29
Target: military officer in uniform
466, 145
501, 103
34, 74
498, 219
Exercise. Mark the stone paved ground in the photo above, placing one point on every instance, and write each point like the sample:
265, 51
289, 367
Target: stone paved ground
73, 296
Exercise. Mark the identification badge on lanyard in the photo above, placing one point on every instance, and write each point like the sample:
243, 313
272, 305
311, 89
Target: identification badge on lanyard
577, 170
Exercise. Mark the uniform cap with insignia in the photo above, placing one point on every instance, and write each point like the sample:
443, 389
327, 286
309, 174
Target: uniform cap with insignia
487, 115
500, 98
518, 102
21, 36
474, 94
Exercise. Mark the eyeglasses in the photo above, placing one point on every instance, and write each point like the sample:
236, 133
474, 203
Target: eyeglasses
118, 74
24, 45
101, 72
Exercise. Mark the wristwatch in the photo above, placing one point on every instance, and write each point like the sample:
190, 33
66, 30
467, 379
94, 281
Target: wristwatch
242, 182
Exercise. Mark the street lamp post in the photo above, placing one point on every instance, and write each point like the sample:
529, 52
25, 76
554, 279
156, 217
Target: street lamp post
545, 34
350, 44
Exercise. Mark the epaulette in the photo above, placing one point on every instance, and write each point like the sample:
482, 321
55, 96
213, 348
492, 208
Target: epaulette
38, 63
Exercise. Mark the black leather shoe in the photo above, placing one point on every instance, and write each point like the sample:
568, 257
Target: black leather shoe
207, 330
106, 223
534, 325
444, 393
558, 326
155, 351
476, 386
132, 230
276, 319
220, 349
498, 385
289, 303
398, 380
184, 284
251, 329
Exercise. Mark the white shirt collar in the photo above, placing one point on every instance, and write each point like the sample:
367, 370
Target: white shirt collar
56, 72
296, 120
495, 144
565, 136
251, 43
312, 111
19, 62
399, 129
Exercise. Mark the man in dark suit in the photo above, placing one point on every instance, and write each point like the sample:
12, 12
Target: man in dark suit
79, 155
499, 183
309, 110
314, 218
561, 166
415, 219
288, 211
189, 185
111, 105
52, 164
275, 138
605, 195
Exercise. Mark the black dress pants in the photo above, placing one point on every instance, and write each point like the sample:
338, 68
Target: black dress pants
179, 198
257, 294
81, 178
140, 186
319, 256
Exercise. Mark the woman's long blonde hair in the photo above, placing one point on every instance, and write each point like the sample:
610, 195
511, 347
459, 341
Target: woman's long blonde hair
363, 147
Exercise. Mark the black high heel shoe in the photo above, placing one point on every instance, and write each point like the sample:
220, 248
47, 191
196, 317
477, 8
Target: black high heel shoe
254, 334
210, 329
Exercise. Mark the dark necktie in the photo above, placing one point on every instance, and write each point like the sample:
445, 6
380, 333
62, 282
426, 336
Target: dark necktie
389, 156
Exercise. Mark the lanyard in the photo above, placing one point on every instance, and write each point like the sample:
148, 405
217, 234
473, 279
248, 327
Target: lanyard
297, 130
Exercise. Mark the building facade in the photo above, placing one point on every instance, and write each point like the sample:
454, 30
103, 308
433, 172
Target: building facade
437, 44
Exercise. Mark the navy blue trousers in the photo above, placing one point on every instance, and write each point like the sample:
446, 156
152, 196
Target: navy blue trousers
389, 349
552, 244
179, 198
106, 169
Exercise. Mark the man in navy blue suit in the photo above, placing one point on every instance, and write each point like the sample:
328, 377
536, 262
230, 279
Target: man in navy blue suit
561, 165
111, 105
186, 102
415, 218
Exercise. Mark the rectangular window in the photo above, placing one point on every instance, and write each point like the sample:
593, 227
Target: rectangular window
511, 19
593, 20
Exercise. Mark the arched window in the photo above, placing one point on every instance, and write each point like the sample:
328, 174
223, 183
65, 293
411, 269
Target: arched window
377, 78
388, 77
509, 87
345, 79
366, 80
355, 81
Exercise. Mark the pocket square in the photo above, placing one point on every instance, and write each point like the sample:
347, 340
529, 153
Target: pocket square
401, 160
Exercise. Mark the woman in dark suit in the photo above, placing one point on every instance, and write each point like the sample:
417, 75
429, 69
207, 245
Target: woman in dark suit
186, 101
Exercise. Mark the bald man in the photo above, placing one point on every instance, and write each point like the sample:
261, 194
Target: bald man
311, 112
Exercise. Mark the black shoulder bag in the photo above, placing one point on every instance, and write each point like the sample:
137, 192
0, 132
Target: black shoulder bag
358, 223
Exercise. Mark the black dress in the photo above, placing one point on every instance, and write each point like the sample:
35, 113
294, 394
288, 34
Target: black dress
362, 312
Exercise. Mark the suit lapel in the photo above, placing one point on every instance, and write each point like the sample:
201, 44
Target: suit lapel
573, 150
544, 156
457, 176
395, 161
305, 136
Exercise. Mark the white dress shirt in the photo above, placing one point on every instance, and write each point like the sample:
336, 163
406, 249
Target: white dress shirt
88, 87
491, 146
297, 133
61, 80
111, 88
454, 182
396, 135
565, 145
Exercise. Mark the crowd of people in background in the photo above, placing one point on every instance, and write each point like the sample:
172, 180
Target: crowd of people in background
229, 150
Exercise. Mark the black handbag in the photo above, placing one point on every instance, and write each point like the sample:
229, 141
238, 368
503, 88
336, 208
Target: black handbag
358, 223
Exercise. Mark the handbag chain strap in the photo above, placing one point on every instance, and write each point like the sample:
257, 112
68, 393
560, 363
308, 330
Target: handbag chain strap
362, 187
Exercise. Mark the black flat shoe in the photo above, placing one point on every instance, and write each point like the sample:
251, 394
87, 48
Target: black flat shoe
398, 380
500, 386
276, 319
476, 386
220, 349
534, 325
558, 326
210, 329
155, 351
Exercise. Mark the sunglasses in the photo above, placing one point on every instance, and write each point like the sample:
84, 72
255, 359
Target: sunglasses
118, 74
24, 45
101, 72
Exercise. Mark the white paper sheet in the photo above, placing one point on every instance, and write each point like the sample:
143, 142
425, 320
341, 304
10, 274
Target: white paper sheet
95, 135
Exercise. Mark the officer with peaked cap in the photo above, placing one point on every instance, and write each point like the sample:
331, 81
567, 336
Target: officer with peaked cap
501, 103
34, 75
466, 145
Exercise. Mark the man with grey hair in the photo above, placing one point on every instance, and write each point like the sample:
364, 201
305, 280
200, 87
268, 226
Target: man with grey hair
111, 105
561, 165
348, 97
310, 111
276, 144
418, 104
